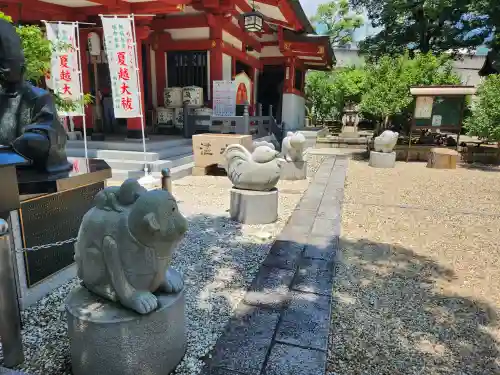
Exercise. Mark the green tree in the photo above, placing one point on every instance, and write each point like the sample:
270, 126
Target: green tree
389, 80
321, 96
350, 83
489, 13
435, 26
338, 21
387, 92
485, 119
429, 69
38, 53
37, 50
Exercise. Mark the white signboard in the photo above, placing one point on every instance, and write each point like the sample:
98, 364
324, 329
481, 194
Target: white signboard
423, 106
437, 120
120, 50
64, 72
224, 98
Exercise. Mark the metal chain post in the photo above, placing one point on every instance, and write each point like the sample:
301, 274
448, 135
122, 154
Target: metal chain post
166, 180
46, 246
10, 318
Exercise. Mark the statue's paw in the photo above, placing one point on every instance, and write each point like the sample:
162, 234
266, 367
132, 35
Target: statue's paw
173, 282
142, 302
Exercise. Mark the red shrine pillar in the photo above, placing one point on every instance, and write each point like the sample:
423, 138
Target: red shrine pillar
134, 125
161, 79
215, 52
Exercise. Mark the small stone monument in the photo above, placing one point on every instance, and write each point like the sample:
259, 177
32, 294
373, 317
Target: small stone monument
128, 317
292, 150
442, 158
254, 197
383, 156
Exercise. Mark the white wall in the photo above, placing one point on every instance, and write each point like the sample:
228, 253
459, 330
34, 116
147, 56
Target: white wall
347, 57
293, 111
227, 67
468, 67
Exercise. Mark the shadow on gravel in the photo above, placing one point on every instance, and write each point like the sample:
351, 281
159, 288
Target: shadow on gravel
481, 167
389, 317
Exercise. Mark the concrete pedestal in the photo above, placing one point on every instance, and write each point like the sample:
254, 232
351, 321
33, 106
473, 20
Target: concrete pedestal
382, 159
296, 170
254, 207
107, 339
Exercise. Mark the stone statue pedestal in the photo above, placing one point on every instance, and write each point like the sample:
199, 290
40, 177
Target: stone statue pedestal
382, 159
108, 339
294, 170
254, 207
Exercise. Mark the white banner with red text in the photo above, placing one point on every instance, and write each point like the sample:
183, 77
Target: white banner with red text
64, 70
120, 50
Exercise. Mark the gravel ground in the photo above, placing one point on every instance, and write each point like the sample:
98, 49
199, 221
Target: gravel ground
418, 278
218, 258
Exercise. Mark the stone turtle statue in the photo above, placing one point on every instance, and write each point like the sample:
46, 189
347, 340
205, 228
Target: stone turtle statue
386, 141
124, 254
258, 171
293, 146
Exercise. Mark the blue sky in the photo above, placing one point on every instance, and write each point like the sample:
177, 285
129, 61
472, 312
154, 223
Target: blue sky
310, 6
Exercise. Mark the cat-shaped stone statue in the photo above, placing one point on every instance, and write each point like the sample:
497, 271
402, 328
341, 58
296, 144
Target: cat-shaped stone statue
125, 246
293, 147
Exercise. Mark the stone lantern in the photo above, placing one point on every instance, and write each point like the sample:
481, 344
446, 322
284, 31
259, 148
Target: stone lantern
350, 120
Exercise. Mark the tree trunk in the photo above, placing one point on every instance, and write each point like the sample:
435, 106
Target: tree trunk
386, 122
498, 152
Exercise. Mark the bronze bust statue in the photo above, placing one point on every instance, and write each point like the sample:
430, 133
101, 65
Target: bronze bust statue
28, 117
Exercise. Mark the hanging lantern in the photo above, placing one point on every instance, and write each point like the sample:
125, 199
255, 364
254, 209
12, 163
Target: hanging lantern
94, 43
253, 21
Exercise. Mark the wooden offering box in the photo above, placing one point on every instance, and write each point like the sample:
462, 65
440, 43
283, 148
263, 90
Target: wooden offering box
208, 148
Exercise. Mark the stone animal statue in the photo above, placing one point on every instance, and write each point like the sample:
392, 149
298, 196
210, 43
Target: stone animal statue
115, 198
259, 170
293, 146
124, 255
386, 141
263, 143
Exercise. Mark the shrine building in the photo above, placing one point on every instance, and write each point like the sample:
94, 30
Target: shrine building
184, 43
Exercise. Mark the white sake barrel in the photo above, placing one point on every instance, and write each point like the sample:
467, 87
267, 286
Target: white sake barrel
193, 95
179, 118
165, 116
172, 97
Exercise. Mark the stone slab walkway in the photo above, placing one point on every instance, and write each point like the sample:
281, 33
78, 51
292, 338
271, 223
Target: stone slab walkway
6, 371
282, 325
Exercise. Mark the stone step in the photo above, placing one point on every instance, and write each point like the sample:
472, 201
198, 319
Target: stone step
130, 145
175, 173
165, 153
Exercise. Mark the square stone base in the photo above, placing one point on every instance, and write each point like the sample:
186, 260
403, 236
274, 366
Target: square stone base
254, 207
294, 170
382, 159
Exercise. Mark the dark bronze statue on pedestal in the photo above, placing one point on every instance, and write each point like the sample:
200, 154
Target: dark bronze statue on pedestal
28, 118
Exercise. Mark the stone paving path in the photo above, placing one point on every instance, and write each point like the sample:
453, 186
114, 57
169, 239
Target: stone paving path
282, 325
